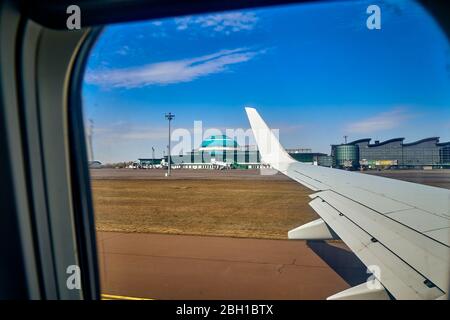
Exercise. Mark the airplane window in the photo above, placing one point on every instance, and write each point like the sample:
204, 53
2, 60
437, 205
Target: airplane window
195, 198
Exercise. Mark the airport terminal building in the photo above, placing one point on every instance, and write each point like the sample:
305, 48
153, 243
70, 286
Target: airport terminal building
215, 152
425, 153
221, 151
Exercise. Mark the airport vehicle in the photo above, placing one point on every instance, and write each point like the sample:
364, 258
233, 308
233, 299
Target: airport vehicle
221, 165
399, 230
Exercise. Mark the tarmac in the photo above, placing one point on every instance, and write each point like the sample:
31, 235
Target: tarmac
161, 266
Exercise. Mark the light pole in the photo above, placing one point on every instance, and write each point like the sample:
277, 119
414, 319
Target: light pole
90, 147
153, 155
169, 116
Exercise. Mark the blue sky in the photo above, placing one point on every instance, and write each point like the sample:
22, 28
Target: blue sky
314, 71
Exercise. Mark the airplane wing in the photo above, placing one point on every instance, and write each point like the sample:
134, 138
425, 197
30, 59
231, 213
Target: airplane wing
399, 230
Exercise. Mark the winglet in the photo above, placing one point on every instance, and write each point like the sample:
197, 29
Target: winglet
272, 152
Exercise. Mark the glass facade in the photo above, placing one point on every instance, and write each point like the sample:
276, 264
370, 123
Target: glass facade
309, 157
389, 150
394, 152
325, 161
346, 155
444, 154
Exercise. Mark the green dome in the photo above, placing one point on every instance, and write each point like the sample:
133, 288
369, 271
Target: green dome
219, 141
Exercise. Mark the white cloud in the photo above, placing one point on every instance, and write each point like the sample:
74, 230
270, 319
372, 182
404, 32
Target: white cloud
169, 72
383, 121
123, 51
224, 23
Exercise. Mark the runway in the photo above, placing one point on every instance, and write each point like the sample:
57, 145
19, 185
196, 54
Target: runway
161, 266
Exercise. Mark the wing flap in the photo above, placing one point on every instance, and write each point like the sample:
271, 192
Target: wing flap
400, 279
442, 235
421, 221
428, 257
363, 292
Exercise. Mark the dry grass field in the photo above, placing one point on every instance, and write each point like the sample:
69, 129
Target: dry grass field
231, 203
256, 208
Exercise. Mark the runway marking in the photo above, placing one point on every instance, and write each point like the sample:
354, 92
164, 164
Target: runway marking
116, 297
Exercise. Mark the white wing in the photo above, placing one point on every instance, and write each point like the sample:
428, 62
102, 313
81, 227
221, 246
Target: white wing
400, 229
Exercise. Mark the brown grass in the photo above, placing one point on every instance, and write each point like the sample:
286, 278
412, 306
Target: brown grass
237, 208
